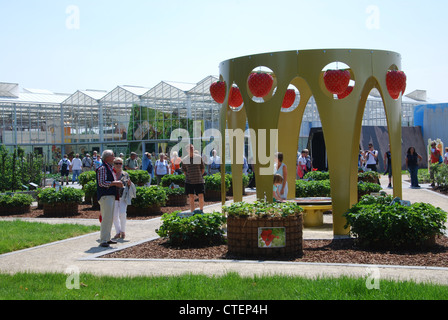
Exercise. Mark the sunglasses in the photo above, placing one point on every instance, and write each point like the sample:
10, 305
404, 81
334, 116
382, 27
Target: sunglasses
119, 163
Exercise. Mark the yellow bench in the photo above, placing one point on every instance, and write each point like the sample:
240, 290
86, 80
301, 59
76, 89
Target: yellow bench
314, 208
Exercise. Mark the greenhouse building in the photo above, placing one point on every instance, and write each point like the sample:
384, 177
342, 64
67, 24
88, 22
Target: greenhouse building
131, 118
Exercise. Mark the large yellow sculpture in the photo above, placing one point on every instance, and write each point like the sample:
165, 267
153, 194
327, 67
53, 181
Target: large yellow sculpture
341, 118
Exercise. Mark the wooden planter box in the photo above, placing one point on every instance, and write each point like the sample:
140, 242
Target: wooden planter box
212, 195
8, 211
61, 210
243, 236
177, 200
148, 211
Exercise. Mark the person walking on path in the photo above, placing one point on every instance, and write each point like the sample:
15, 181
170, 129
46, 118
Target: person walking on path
435, 159
280, 168
161, 168
193, 168
64, 169
132, 162
87, 163
147, 164
120, 202
107, 193
371, 158
175, 163
412, 160
388, 162
215, 163
76, 168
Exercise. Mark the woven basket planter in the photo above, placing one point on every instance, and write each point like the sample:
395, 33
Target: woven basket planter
8, 211
148, 211
176, 200
212, 195
61, 210
243, 236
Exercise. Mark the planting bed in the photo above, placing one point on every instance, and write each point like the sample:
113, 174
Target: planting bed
322, 251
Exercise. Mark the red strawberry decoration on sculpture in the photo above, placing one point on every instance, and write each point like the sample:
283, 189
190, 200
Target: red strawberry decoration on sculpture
218, 91
396, 83
336, 81
288, 100
235, 98
260, 84
345, 93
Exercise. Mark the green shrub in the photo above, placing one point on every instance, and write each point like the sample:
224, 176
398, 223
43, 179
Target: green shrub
175, 191
66, 195
16, 200
199, 229
213, 182
317, 175
262, 209
441, 175
377, 221
139, 177
318, 188
87, 177
369, 176
149, 196
178, 179
367, 188
90, 189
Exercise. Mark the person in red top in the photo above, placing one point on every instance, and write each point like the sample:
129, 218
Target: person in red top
435, 159
175, 163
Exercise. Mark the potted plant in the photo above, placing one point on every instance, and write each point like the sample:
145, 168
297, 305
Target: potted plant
196, 230
86, 177
90, 194
264, 229
15, 204
246, 180
365, 188
62, 202
213, 186
177, 179
176, 197
139, 177
148, 201
387, 223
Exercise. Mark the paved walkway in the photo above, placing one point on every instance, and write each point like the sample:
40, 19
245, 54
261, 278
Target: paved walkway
84, 254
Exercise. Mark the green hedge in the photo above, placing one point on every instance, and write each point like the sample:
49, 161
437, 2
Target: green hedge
149, 196
15, 200
199, 229
66, 195
379, 221
262, 209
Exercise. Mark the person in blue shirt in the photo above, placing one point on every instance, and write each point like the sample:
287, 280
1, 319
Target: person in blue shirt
147, 164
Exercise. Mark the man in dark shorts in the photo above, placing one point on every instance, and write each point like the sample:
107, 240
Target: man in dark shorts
193, 168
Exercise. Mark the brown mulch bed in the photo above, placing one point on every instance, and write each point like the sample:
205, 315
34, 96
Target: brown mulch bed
322, 251
85, 211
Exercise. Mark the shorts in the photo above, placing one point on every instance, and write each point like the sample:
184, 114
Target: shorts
64, 173
194, 188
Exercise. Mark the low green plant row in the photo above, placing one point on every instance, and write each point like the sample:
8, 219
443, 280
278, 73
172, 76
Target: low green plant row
262, 209
15, 200
380, 220
51, 196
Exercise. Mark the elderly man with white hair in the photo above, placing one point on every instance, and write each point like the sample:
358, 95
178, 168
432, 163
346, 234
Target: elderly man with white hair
107, 192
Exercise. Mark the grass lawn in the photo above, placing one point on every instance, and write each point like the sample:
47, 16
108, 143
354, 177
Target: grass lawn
231, 286
17, 235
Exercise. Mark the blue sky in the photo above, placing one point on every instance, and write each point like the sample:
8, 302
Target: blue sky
102, 44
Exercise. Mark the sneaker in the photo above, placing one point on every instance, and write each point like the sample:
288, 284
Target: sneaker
111, 242
104, 245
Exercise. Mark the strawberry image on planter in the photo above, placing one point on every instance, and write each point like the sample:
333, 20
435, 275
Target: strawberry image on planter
396, 83
271, 237
260, 84
218, 91
337, 81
